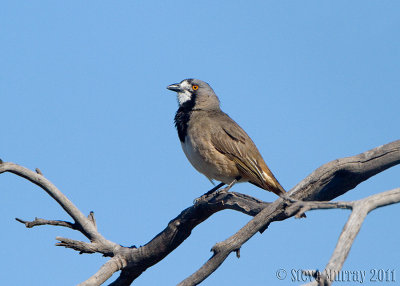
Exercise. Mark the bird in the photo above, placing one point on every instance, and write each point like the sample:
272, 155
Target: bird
215, 144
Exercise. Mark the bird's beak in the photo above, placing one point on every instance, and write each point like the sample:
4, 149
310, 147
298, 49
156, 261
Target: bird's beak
175, 87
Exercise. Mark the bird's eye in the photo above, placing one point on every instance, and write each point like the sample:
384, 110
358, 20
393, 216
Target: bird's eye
195, 87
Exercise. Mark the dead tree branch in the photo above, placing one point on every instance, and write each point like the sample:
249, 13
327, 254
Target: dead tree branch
360, 210
109, 268
41, 221
81, 223
325, 183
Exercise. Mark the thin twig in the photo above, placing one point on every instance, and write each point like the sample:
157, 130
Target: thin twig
80, 219
41, 221
92, 219
300, 207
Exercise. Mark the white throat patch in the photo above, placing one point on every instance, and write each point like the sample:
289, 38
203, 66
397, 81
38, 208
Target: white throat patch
185, 95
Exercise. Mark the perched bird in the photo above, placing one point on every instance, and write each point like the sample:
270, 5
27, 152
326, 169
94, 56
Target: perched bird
216, 145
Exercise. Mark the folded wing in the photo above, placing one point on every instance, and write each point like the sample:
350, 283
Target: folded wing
231, 140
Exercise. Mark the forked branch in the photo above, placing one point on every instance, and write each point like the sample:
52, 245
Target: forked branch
327, 182
360, 209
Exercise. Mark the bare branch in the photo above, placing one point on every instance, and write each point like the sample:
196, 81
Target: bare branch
300, 207
360, 210
180, 228
106, 271
177, 231
327, 182
86, 227
341, 175
93, 247
82, 247
41, 221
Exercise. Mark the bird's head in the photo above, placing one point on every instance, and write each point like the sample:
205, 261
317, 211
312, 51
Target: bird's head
195, 93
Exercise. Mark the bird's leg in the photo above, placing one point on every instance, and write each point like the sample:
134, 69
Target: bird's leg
213, 189
230, 185
216, 190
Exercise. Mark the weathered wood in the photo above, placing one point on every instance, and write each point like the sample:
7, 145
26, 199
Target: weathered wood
325, 183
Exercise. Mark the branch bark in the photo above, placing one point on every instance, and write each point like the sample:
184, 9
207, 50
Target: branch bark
86, 225
361, 209
41, 221
325, 183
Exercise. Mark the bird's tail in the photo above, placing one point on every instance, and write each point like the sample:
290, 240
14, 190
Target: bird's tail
271, 184
260, 175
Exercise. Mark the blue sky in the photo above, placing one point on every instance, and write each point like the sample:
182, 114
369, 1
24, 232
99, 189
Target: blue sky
82, 88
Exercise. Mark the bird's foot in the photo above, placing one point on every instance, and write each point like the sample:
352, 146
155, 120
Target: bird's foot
208, 196
221, 191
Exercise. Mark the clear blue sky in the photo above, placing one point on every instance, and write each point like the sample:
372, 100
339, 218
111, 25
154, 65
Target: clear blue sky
82, 88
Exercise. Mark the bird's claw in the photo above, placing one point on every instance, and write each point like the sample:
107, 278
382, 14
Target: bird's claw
207, 197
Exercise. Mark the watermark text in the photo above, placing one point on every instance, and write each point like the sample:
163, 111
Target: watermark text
356, 276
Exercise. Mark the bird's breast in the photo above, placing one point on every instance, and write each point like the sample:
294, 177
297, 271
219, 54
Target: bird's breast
195, 156
208, 161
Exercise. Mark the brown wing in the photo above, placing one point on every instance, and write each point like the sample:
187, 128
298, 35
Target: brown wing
232, 141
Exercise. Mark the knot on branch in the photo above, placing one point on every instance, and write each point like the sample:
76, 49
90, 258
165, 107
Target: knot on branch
218, 247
